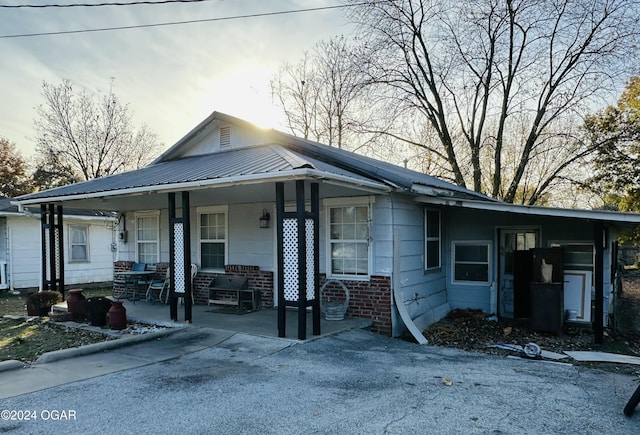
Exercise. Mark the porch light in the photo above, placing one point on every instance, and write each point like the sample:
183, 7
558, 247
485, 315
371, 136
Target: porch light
264, 219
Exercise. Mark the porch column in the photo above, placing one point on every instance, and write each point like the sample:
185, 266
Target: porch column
52, 243
598, 280
180, 257
298, 259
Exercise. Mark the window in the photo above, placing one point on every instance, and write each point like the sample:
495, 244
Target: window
516, 240
212, 235
471, 262
432, 239
78, 243
349, 240
148, 237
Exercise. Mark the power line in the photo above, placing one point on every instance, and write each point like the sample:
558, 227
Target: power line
90, 5
175, 23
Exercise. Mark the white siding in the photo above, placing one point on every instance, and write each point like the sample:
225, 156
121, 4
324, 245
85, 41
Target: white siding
24, 266
423, 293
210, 140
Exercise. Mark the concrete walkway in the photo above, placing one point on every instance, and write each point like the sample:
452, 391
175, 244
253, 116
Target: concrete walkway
207, 330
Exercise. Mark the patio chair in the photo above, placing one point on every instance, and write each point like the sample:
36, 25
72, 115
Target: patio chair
134, 282
159, 285
194, 272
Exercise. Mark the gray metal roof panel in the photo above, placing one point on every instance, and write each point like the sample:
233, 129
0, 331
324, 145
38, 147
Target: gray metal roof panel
233, 163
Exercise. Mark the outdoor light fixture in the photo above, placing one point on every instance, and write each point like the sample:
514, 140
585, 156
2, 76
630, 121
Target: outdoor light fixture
264, 219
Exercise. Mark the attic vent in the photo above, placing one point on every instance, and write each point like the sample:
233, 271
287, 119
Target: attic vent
225, 137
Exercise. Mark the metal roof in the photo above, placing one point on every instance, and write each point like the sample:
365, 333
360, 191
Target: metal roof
236, 164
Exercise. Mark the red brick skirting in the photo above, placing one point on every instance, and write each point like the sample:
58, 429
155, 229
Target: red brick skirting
368, 299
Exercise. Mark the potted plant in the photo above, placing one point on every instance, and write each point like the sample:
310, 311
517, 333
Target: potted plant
40, 303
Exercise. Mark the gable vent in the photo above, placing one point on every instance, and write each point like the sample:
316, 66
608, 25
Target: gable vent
225, 137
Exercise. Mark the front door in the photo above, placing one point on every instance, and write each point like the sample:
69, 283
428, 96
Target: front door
511, 240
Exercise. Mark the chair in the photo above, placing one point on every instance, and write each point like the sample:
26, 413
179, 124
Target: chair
134, 281
194, 272
160, 285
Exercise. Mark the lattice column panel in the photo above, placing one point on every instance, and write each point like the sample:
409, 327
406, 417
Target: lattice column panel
178, 241
290, 235
57, 241
310, 259
47, 253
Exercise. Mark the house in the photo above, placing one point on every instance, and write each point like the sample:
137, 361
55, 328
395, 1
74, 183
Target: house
87, 240
301, 220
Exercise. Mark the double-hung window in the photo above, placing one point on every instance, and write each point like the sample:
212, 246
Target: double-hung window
432, 239
78, 243
471, 262
349, 240
212, 237
148, 237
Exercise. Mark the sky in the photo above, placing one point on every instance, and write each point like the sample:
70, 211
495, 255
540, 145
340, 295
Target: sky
172, 76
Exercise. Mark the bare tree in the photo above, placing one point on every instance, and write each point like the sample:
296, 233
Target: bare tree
325, 97
499, 81
90, 134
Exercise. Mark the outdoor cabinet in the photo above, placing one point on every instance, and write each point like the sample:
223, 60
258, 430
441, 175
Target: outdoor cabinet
547, 298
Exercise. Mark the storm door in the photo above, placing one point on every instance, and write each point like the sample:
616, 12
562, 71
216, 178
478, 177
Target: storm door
512, 241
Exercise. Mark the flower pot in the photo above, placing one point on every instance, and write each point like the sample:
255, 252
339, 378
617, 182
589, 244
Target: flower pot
74, 298
117, 316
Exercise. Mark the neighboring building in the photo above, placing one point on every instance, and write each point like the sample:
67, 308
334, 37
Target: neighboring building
408, 246
88, 240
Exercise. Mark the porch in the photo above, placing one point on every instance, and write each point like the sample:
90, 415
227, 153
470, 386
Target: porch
260, 323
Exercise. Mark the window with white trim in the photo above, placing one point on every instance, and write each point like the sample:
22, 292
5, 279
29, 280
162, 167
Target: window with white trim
78, 243
432, 239
147, 237
212, 238
471, 262
349, 240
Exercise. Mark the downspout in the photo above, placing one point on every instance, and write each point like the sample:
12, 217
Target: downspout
396, 285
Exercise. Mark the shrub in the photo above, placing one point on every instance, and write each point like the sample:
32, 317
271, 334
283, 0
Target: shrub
39, 304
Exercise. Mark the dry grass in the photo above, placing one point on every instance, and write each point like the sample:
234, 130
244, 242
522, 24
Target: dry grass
25, 339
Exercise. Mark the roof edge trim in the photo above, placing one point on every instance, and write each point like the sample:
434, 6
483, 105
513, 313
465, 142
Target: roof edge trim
604, 215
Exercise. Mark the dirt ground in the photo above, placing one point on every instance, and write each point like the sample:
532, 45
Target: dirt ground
471, 330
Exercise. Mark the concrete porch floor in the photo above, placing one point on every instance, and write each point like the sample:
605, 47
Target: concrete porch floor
260, 323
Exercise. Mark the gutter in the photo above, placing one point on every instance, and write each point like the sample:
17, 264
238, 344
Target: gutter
603, 215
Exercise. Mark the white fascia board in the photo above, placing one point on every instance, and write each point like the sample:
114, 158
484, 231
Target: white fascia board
603, 215
295, 174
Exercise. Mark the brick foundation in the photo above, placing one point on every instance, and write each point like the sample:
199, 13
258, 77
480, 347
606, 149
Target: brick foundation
367, 299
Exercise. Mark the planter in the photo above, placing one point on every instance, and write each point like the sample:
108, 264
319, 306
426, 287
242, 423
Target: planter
97, 318
117, 316
95, 309
334, 310
74, 298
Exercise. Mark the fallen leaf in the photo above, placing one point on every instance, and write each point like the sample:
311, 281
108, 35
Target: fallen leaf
507, 330
448, 382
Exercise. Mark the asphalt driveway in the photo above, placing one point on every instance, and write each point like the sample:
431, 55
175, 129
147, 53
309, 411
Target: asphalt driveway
203, 381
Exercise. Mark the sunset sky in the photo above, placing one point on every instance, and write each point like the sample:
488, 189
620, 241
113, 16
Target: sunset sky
173, 76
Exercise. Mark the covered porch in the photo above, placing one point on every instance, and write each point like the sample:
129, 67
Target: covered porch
260, 323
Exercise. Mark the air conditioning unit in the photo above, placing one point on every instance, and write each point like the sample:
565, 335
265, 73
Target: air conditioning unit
3, 275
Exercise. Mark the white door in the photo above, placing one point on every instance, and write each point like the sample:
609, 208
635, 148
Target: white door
577, 293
